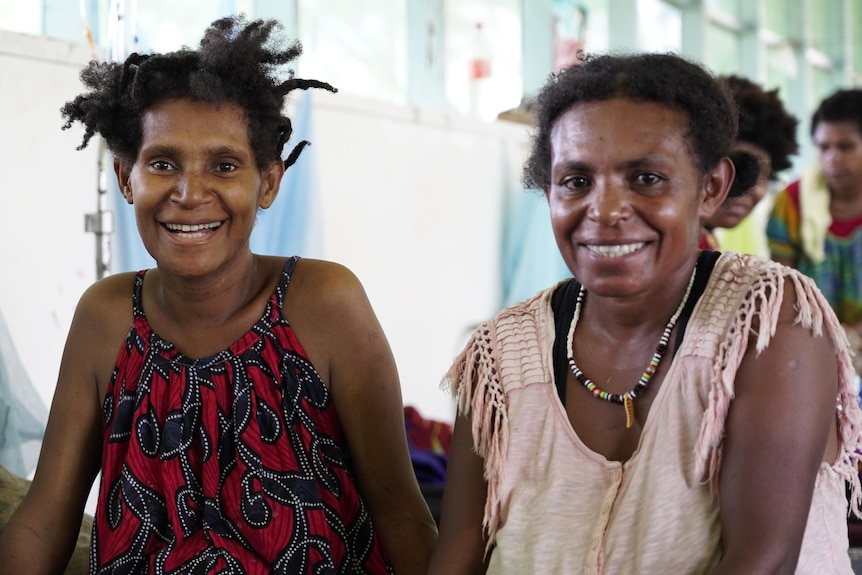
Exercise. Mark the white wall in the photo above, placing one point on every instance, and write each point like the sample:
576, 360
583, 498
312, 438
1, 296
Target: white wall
411, 202
46, 257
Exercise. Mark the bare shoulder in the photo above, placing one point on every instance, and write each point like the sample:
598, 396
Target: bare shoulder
107, 301
787, 356
316, 274
330, 312
102, 320
325, 288
782, 422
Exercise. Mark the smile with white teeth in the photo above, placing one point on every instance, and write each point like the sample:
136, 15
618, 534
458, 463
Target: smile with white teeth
193, 230
615, 251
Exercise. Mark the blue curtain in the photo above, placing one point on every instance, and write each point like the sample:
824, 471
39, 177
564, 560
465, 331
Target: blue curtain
127, 249
23, 415
292, 225
530, 258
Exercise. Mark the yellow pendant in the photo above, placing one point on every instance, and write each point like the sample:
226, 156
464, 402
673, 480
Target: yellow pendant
630, 411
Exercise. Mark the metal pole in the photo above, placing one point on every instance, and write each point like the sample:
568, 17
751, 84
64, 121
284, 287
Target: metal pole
101, 222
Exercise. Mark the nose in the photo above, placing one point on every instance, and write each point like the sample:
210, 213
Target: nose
192, 190
609, 204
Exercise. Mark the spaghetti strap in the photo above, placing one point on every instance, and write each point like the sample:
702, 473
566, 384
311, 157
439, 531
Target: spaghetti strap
137, 294
281, 288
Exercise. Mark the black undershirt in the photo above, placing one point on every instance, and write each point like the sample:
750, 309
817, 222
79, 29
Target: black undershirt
563, 304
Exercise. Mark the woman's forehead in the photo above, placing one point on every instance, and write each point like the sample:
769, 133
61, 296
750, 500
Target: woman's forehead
619, 120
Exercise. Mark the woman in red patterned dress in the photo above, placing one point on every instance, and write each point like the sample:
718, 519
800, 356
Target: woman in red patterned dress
244, 410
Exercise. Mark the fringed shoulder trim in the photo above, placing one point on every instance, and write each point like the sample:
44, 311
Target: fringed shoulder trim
742, 289
504, 353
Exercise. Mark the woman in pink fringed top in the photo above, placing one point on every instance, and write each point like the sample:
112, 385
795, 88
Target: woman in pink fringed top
670, 410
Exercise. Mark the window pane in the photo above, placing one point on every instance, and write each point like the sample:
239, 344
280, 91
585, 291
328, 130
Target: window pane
166, 25
781, 68
567, 36
777, 16
596, 32
729, 6
484, 30
358, 47
821, 83
856, 34
820, 34
18, 16
659, 26
722, 49
162, 25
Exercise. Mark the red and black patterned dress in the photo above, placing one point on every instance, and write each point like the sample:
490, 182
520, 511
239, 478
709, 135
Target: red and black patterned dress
234, 463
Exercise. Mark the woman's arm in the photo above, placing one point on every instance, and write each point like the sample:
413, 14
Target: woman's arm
780, 427
41, 535
461, 547
363, 380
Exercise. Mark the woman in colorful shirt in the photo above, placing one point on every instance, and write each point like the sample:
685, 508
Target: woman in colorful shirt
816, 222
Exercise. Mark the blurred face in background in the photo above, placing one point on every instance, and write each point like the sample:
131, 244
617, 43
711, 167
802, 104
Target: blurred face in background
839, 145
735, 209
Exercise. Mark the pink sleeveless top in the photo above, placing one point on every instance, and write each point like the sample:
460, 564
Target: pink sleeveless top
555, 506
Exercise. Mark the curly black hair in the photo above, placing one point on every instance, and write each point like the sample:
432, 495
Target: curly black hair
237, 62
667, 79
842, 106
764, 122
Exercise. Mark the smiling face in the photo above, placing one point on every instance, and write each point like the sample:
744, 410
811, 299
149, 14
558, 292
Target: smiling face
196, 187
839, 145
626, 199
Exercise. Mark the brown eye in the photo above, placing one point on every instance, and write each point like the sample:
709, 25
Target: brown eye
576, 183
647, 179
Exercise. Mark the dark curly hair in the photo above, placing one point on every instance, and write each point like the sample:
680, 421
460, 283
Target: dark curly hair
764, 122
666, 79
842, 106
237, 62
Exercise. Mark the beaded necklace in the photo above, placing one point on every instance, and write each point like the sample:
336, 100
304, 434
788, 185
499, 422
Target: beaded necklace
625, 398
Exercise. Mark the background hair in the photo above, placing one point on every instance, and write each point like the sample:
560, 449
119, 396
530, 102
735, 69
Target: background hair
841, 106
748, 168
665, 79
237, 62
764, 122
